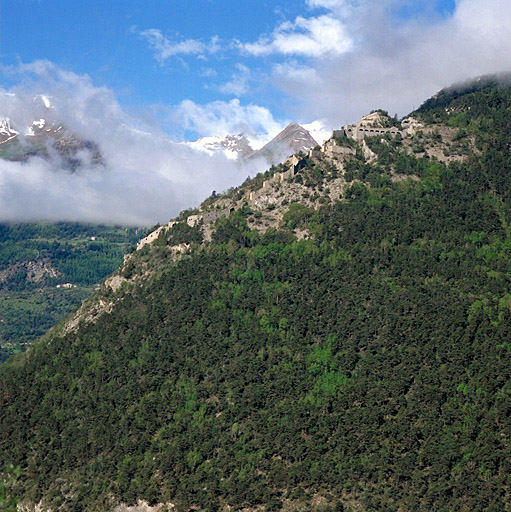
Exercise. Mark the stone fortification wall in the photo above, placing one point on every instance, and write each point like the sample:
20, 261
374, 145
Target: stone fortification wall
370, 126
208, 217
331, 149
361, 132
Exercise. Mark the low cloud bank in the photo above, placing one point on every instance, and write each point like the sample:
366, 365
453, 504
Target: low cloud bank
146, 177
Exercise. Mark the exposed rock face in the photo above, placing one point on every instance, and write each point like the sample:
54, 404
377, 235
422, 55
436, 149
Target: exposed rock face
142, 506
39, 132
292, 139
373, 120
36, 271
411, 126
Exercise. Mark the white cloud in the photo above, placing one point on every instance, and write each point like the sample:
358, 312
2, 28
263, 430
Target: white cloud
332, 5
310, 37
394, 63
239, 83
295, 72
223, 118
208, 72
164, 48
147, 177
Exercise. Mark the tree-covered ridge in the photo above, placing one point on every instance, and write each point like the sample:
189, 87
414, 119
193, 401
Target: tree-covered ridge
446, 97
365, 366
37, 259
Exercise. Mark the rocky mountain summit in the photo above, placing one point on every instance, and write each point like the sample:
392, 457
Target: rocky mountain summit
292, 139
37, 132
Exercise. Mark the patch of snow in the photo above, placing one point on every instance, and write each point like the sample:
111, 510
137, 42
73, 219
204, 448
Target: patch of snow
214, 144
5, 127
46, 101
40, 124
319, 132
6, 130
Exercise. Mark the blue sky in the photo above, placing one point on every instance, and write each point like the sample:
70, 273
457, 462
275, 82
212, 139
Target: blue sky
111, 41
101, 38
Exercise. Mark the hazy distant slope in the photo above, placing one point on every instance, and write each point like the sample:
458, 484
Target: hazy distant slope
48, 269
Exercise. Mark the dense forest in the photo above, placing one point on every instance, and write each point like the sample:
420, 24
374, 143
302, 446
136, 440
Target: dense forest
363, 367
36, 259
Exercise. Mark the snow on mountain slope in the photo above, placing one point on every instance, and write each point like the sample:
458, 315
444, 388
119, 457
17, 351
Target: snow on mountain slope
35, 130
292, 139
274, 148
6, 131
233, 146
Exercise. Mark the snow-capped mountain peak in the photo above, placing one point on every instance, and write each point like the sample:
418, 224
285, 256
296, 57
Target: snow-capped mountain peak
233, 146
274, 148
6, 131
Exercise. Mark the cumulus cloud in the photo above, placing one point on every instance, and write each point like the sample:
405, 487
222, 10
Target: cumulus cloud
397, 63
164, 48
310, 37
239, 83
223, 117
146, 177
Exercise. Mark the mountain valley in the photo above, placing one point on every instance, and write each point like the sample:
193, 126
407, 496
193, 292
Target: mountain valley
46, 270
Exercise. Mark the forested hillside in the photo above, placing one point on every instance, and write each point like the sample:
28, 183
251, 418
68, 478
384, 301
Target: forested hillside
354, 356
48, 269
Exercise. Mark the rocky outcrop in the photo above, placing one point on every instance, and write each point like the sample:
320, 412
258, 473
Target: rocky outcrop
292, 139
143, 506
36, 271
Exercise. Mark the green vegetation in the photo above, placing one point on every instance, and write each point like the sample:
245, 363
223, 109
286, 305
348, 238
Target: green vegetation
36, 259
366, 368
7, 479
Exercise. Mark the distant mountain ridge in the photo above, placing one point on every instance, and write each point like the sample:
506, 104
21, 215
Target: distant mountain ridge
37, 131
40, 133
292, 139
